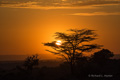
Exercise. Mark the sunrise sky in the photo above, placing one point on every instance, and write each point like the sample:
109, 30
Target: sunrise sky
26, 24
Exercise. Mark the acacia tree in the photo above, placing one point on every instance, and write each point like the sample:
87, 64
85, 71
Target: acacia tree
73, 44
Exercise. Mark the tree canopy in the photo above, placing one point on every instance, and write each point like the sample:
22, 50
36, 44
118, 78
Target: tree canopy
74, 43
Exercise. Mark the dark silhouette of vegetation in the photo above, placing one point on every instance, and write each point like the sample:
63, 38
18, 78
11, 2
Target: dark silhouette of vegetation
73, 45
102, 56
31, 61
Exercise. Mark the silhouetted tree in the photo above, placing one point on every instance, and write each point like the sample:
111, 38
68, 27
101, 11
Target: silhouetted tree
73, 45
31, 61
102, 56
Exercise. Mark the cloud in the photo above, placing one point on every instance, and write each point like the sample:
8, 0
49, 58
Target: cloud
56, 4
96, 14
97, 2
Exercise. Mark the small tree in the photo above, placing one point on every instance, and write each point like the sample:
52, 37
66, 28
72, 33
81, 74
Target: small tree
73, 45
102, 56
31, 61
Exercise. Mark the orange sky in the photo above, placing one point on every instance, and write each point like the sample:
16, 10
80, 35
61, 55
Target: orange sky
24, 26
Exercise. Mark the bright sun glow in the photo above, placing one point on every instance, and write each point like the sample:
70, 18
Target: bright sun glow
58, 42
63, 0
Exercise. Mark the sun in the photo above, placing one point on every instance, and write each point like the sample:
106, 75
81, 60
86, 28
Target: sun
58, 42
63, 0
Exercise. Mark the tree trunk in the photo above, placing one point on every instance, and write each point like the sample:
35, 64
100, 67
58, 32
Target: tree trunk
72, 68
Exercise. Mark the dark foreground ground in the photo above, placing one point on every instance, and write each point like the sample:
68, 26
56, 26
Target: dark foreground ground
57, 70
